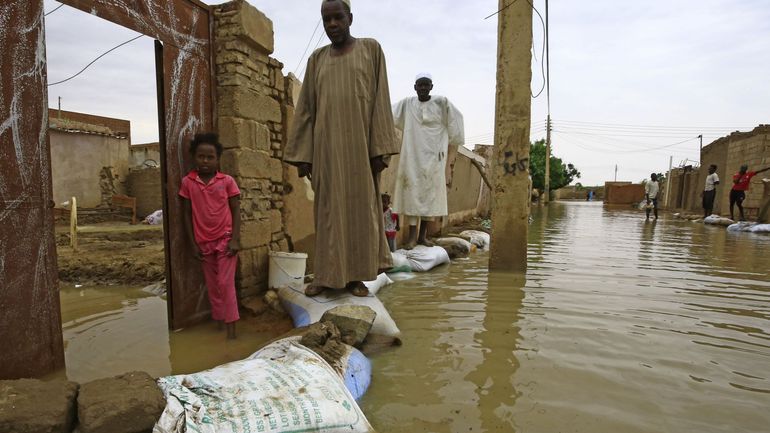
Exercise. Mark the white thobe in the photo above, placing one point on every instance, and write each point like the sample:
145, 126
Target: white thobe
429, 128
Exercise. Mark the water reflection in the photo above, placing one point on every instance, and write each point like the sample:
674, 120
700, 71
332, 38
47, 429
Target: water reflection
621, 326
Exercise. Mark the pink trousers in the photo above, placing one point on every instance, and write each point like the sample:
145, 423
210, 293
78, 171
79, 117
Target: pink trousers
219, 272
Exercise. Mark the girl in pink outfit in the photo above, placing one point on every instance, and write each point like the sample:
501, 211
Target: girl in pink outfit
213, 220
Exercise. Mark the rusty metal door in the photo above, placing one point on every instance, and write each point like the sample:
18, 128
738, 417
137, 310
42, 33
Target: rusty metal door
30, 322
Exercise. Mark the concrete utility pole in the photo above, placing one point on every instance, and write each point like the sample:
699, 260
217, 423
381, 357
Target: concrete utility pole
547, 185
668, 181
510, 163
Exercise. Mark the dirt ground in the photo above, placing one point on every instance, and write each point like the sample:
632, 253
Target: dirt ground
111, 253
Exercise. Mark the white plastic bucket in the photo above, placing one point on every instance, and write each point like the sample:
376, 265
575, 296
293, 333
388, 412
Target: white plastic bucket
286, 269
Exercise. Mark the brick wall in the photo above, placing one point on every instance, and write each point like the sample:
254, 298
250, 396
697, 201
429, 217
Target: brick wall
145, 185
250, 94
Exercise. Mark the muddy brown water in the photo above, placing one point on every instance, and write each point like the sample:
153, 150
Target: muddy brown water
618, 326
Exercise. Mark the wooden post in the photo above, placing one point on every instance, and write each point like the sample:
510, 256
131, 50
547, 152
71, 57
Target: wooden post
510, 163
74, 223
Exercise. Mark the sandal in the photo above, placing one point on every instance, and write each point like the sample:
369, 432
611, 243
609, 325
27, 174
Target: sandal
312, 290
358, 288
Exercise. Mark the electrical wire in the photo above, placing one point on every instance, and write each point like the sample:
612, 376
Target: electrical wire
578, 122
54, 10
542, 56
504, 8
302, 71
95, 60
310, 41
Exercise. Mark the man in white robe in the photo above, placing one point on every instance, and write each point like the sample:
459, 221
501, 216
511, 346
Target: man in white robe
432, 130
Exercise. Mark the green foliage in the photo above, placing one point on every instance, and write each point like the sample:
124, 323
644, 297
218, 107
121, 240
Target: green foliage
561, 174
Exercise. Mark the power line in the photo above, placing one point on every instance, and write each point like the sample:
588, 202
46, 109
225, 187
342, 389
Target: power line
95, 60
504, 8
55, 9
310, 41
643, 126
542, 56
302, 72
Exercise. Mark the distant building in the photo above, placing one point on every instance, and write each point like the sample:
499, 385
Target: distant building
145, 155
89, 157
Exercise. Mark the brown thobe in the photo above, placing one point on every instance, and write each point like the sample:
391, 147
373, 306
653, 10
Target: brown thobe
342, 120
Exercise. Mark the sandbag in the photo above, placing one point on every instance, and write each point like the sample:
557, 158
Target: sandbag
742, 226
381, 281
478, 238
354, 368
305, 310
761, 228
457, 248
400, 262
283, 388
718, 220
155, 218
423, 259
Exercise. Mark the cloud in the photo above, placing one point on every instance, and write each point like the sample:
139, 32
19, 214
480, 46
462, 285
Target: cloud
686, 63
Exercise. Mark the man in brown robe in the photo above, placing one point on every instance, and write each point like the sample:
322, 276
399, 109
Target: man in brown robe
341, 138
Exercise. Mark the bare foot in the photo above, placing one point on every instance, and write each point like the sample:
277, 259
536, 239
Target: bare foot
312, 290
231, 331
357, 288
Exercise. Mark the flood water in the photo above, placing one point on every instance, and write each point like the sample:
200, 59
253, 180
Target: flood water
618, 326
112, 330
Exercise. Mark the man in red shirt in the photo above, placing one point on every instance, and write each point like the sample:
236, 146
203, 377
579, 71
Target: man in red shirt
741, 181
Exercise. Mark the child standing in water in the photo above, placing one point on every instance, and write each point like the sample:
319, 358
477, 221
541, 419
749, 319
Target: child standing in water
391, 222
213, 221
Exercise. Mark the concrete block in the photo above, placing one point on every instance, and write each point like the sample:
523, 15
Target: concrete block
456, 248
254, 27
353, 321
33, 406
129, 403
276, 220
235, 101
251, 163
238, 133
246, 263
255, 233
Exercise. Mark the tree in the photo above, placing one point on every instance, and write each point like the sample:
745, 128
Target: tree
561, 174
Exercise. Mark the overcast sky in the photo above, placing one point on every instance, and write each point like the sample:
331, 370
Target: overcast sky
628, 79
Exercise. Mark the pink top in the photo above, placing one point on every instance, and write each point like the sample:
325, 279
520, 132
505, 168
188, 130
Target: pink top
210, 205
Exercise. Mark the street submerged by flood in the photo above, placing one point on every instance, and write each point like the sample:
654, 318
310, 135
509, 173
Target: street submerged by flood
619, 325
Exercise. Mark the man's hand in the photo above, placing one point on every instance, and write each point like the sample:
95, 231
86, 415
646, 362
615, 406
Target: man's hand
233, 247
305, 170
378, 164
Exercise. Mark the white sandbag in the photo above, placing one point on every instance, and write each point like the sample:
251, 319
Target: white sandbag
305, 310
283, 388
155, 218
760, 228
742, 226
400, 262
401, 276
376, 285
423, 259
354, 368
478, 238
718, 220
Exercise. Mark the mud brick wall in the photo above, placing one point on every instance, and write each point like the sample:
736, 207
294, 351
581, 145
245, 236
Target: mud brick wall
728, 153
250, 94
145, 185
